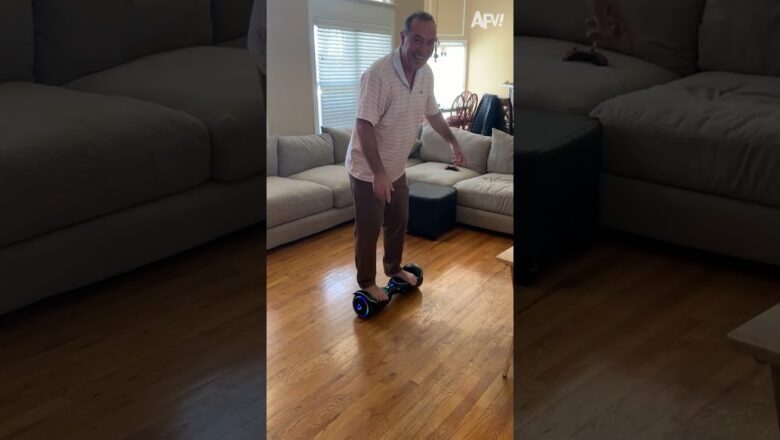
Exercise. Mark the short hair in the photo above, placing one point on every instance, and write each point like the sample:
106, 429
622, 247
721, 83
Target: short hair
419, 15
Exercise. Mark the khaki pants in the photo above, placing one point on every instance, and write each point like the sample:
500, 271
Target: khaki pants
371, 215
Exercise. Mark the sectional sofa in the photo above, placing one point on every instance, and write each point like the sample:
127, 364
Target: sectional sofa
129, 131
308, 188
691, 115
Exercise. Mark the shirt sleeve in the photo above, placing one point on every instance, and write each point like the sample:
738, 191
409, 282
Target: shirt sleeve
372, 99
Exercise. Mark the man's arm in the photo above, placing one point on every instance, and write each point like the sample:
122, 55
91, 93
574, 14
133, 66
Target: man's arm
440, 126
382, 184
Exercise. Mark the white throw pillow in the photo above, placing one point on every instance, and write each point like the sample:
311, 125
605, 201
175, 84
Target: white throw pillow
502, 153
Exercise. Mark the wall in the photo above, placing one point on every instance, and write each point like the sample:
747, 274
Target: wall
403, 9
491, 50
291, 69
290, 95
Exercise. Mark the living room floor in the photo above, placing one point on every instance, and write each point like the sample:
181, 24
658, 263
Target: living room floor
430, 364
628, 341
170, 351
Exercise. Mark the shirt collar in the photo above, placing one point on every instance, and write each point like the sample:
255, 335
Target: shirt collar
399, 68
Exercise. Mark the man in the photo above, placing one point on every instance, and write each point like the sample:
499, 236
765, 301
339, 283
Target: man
608, 26
395, 93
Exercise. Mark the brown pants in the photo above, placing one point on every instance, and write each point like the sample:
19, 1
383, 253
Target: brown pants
371, 215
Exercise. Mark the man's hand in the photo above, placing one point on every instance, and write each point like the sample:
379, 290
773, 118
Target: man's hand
440, 126
383, 187
457, 155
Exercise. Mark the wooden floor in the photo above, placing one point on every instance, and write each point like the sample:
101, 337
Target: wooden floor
629, 342
170, 351
428, 366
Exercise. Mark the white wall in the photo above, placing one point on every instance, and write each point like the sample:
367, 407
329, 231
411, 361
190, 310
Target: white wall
290, 95
291, 75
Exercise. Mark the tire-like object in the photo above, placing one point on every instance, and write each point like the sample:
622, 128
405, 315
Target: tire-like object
362, 305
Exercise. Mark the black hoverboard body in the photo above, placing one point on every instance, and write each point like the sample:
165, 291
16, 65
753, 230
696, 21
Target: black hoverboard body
366, 306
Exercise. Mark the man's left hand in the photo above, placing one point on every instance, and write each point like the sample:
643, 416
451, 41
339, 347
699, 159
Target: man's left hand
457, 155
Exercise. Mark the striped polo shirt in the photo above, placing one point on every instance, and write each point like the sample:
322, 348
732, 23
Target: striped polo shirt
395, 111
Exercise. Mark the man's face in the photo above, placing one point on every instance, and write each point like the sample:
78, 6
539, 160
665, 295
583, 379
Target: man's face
417, 46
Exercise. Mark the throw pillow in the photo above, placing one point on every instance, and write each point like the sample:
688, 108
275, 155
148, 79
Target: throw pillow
502, 153
341, 139
300, 153
475, 147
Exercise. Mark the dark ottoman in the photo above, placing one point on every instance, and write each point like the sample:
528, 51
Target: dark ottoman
557, 168
431, 209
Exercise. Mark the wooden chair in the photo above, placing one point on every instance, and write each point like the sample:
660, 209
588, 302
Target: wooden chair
463, 109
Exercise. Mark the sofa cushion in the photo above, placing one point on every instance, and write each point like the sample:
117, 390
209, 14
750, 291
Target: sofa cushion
713, 132
664, 32
237, 43
301, 153
546, 82
412, 161
114, 31
474, 146
230, 18
489, 192
17, 50
436, 174
291, 199
502, 153
741, 36
334, 177
67, 157
543, 18
217, 85
341, 138
271, 159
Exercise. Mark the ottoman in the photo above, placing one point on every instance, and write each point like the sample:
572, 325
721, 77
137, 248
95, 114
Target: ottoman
557, 169
431, 209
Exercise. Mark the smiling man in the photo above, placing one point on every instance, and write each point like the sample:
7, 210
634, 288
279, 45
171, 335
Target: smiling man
395, 93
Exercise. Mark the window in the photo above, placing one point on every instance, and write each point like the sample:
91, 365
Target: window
342, 55
449, 72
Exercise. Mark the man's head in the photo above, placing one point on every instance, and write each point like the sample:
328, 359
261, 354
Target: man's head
418, 39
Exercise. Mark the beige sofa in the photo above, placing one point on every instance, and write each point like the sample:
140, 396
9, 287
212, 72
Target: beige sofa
308, 187
691, 116
129, 131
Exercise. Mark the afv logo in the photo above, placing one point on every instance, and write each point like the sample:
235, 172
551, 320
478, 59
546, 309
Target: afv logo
482, 20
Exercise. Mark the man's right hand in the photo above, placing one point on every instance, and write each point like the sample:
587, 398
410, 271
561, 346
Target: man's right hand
383, 187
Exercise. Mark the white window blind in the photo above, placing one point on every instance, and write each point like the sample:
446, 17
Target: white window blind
342, 57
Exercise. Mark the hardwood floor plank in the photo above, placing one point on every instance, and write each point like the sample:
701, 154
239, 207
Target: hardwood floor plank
171, 350
332, 375
628, 341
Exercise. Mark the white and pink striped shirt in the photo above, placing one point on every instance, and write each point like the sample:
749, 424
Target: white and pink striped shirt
395, 112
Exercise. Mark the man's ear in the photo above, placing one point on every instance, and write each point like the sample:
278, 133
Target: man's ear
403, 37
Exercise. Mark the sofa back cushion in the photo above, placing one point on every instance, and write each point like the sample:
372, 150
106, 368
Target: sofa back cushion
665, 32
559, 19
271, 156
502, 153
741, 36
16, 40
230, 18
300, 153
475, 147
76, 37
341, 138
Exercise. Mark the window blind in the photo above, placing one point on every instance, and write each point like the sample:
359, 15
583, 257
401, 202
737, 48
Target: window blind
342, 57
